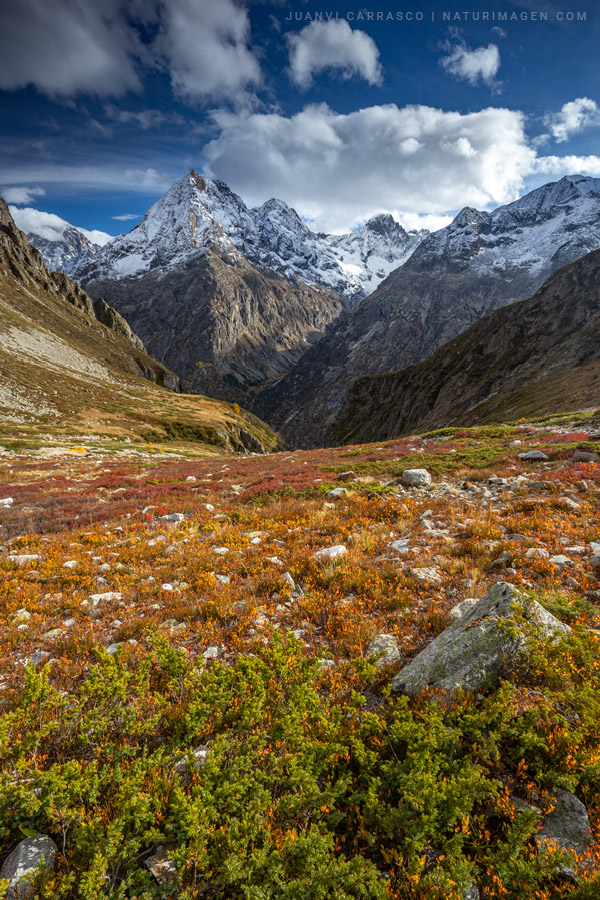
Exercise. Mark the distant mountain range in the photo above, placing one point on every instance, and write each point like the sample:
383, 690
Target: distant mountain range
480, 262
526, 359
249, 304
197, 213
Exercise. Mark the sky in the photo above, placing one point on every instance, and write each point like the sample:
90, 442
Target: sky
342, 110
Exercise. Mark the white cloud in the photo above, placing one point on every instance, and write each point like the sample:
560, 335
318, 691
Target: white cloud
20, 195
205, 46
68, 47
567, 165
573, 117
126, 217
481, 64
340, 169
50, 226
333, 46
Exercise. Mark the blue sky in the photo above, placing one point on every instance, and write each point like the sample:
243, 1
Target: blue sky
104, 103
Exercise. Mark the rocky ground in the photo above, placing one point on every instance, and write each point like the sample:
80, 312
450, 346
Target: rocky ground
350, 560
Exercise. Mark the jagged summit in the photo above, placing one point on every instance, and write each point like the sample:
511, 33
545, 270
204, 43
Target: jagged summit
199, 213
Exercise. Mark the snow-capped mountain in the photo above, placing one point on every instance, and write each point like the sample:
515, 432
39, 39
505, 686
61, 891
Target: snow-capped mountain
197, 213
64, 247
478, 263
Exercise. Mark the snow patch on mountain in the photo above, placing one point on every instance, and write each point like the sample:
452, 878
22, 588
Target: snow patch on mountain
548, 227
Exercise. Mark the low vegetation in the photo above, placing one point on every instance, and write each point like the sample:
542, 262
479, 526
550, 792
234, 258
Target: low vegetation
217, 707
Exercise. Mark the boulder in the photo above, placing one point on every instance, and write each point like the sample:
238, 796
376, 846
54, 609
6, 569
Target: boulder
477, 648
337, 493
330, 554
163, 868
21, 865
384, 646
567, 826
582, 456
347, 476
534, 454
416, 478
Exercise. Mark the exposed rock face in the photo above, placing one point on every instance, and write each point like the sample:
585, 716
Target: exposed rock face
567, 826
21, 865
220, 323
68, 253
527, 358
478, 647
26, 266
479, 263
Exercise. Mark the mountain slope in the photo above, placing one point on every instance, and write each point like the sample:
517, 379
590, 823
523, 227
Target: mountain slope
478, 263
70, 364
197, 213
533, 357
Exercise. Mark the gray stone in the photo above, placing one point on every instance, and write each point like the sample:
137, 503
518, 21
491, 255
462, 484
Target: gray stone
534, 454
582, 456
347, 476
163, 868
567, 827
427, 574
399, 546
416, 478
21, 865
384, 646
561, 560
537, 553
478, 647
337, 493
330, 554
175, 518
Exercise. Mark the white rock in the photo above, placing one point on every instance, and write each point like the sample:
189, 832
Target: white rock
561, 560
211, 652
70, 564
537, 553
337, 493
21, 617
220, 551
399, 546
6, 502
330, 554
416, 478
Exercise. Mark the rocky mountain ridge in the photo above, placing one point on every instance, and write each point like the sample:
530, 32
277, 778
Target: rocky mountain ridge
197, 213
478, 263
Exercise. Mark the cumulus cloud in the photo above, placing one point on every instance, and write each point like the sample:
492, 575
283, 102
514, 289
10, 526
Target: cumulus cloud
68, 47
340, 169
477, 65
332, 46
573, 117
20, 195
205, 47
50, 226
